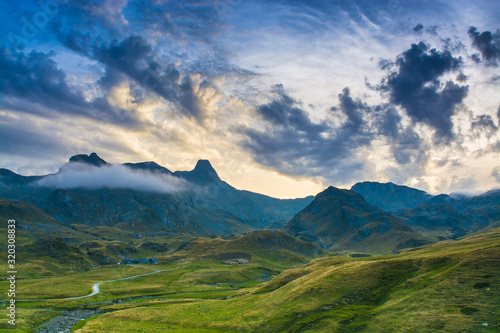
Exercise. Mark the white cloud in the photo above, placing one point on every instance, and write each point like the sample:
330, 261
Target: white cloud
77, 175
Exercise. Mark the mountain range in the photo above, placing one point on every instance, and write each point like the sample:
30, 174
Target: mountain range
146, 198
90, 191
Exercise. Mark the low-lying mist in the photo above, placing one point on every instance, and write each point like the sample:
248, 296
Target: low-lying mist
78, 175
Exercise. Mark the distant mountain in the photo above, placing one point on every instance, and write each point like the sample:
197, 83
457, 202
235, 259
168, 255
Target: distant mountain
440, 219
208, 206
391, 197
458, 214
342, 220
9, 178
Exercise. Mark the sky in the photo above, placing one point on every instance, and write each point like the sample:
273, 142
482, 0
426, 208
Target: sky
283, 97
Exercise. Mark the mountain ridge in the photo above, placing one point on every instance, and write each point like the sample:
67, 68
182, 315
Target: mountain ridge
340, 219
371, 217
209, 207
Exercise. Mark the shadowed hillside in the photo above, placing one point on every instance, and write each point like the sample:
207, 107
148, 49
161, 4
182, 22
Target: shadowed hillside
342, 220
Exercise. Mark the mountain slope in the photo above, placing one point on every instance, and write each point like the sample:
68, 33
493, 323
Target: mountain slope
461, 214
255, 246
33, 223
445, 287
391, 197
343, 220
195, 202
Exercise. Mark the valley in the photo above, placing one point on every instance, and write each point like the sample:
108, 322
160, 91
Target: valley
186, 166
237, 261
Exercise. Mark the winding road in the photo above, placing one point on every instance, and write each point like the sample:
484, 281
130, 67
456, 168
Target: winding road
95, 286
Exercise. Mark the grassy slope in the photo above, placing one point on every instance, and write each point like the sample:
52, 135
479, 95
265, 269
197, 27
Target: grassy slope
194, 274
266, 247
451, 286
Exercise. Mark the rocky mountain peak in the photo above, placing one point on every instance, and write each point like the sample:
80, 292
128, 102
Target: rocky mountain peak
202, 174
92, 159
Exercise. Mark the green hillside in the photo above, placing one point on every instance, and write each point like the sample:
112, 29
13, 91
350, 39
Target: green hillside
271, 247
451, 286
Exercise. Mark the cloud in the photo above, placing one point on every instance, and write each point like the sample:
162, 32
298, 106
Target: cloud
25, 138
418, 27
484, 122
291, 143
78, 175
462, 184
159, 45
495, 173
461, 77
330, 149
284, 112
416, 86
487, 43
407, 147
108, 12
498, 115
134, 57
388, 121
35, 78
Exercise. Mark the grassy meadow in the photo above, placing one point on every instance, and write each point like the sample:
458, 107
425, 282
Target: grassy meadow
451, 286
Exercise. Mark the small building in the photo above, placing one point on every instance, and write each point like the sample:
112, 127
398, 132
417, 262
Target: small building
149, 261
126, 261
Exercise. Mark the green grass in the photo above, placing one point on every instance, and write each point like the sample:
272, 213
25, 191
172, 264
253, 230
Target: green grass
448, 287
70, 285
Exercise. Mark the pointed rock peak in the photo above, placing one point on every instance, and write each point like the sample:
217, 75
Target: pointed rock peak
91, 159
205, 172
204, 165
202, 174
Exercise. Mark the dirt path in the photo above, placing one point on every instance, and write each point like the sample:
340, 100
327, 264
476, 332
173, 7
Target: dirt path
68, 319
95, 286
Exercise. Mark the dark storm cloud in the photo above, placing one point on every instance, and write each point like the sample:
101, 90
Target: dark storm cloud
487, 43
416, 87
134, 58
295, 145
284, 112
155, 45
352, 109
128, 53
405, 143
36, 79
